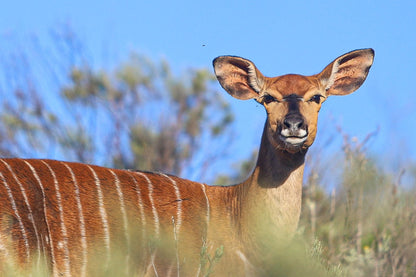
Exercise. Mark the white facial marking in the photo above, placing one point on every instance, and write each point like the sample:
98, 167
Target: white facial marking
300, 133
294, 140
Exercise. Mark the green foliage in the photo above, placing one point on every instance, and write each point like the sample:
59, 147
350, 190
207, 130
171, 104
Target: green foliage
208, 261
139, 115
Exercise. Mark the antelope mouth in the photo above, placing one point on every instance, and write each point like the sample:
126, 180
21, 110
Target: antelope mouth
294, 140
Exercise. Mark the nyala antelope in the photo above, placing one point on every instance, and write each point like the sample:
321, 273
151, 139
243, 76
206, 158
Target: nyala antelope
74, 218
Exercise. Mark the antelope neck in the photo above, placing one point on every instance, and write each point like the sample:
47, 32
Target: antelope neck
275, 166
274, 190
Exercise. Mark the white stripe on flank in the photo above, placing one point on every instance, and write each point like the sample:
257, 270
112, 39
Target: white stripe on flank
153, 264
208, 207
248, 267
152, 203
81, 223
30, 214
19, 219
4, 251
49, 236
67, 271
122, 205
140, 203
178, 222
103, 215
123, 213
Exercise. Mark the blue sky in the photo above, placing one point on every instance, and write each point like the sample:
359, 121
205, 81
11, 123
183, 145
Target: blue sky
278, 36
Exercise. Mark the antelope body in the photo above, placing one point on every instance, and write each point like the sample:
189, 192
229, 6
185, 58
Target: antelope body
75, 217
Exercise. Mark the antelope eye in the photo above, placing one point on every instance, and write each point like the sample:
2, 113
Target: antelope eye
268, 99
316, 98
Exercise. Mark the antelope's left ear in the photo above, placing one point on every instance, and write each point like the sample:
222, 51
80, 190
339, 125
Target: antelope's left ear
347, 73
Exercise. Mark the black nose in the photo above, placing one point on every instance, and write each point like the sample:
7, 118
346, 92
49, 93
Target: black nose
294, 122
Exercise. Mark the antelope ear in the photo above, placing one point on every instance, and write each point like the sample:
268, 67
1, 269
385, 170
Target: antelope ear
347, 73
238, 76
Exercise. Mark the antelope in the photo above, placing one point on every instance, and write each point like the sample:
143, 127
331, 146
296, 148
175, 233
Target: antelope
71, 216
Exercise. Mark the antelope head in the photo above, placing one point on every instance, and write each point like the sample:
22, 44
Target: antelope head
293, 101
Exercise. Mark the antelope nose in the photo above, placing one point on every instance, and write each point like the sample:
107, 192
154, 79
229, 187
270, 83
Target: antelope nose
294, 122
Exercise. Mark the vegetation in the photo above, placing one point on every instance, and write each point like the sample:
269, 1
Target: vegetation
367, 222
138, 115
358, 218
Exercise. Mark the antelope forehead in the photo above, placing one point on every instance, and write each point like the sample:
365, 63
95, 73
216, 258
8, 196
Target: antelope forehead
293, 85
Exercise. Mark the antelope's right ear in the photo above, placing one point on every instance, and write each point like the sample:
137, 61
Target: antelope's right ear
238, 76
